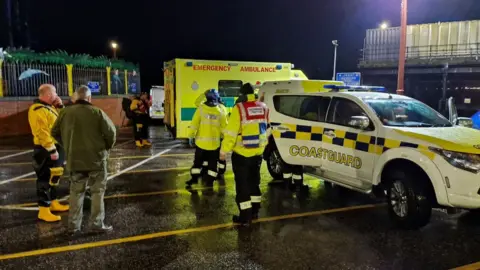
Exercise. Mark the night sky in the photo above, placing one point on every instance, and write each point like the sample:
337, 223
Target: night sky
152, 31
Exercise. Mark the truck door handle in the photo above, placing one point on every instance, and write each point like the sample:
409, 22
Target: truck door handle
281, 128
330, 134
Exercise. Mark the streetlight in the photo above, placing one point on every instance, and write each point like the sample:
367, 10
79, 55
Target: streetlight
402, 53
335, 44
114, 47
384, 25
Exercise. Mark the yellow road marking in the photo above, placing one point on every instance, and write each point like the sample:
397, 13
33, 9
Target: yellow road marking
137, 238
473, 266
114, 158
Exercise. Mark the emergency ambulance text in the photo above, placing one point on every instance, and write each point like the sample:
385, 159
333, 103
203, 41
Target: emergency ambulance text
211, 68
332, 156
257, 69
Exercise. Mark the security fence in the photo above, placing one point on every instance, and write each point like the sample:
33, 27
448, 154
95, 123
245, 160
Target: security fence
23, 71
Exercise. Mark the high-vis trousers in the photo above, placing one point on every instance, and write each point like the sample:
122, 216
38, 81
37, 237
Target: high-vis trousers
293, 172
140, 127
247, 185
48, 173
211, 157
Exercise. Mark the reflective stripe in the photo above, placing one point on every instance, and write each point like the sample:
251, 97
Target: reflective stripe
297, 177
195, 171
205, 163
245, 205
193, 127
221, 166
287, 175
230, 133
256, 199
212, 173
207, 139
242, 112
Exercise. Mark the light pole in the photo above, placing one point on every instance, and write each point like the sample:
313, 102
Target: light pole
114, 47
402, 53
335, 44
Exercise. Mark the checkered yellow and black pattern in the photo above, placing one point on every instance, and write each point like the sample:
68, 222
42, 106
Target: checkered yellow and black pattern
360, 142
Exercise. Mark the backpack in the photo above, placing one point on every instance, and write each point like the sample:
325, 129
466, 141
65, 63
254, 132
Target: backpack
126, 102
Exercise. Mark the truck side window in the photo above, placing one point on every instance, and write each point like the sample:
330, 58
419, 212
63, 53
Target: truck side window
341, 111
229, 88
310, 108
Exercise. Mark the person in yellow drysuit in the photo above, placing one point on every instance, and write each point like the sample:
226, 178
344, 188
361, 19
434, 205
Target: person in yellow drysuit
222, 164
206, 129
246, 135
140, 107
48, 155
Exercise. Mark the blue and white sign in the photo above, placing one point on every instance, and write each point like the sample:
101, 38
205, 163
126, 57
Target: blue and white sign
349, 78
133, 87
94, 87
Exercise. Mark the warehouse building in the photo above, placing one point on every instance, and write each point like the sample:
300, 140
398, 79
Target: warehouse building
442, 61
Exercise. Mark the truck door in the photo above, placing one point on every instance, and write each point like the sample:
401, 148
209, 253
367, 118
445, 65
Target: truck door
453, 115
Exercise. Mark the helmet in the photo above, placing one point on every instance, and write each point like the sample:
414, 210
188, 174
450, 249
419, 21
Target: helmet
212, 95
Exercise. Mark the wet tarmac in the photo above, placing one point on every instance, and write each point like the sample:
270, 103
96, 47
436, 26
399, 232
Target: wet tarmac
158, 224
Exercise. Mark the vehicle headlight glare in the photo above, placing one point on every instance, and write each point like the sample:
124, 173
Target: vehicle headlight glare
464, 161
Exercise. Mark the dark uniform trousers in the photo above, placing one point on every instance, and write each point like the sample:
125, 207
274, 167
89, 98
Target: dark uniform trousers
140, 126
293, 172
247, 184
42, 163
211, 173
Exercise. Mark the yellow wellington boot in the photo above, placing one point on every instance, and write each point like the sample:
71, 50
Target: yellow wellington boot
146, 143
138, 143
45, 215
56, 206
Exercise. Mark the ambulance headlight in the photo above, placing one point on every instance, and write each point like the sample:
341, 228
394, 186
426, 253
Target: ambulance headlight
467, 162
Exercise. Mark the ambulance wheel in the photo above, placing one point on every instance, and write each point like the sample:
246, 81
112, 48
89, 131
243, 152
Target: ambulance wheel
274, 163
409, 205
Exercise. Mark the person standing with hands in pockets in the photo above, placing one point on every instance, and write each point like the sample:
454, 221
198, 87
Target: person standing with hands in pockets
246, 135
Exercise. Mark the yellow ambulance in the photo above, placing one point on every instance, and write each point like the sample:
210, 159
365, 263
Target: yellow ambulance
186, 79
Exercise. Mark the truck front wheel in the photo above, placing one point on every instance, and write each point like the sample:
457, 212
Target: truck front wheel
408, 203
274, 162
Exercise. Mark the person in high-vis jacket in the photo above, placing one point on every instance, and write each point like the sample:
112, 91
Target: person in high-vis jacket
48, 155
140, 106
222, 164
246, 135
206, 129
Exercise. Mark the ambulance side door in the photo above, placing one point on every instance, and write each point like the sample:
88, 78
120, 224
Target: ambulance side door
349, 151
297, 122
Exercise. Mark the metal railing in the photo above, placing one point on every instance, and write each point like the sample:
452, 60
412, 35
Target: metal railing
65, 78
373, 53
16, 86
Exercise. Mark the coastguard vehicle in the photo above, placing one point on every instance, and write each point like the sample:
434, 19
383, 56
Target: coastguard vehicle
374, 142
187, 79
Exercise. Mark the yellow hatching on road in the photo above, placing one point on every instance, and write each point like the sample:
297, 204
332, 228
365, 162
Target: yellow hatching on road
137, 238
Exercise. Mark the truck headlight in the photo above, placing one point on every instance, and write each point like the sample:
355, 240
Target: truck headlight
467, 162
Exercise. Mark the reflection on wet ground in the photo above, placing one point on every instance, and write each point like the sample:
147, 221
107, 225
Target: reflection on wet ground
159, 224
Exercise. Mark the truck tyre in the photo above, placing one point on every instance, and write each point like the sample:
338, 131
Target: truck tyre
409, 206
274, 162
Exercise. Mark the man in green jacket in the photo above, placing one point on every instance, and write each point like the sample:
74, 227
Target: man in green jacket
87, 134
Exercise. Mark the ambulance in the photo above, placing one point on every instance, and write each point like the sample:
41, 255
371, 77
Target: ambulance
186, 79
375, 142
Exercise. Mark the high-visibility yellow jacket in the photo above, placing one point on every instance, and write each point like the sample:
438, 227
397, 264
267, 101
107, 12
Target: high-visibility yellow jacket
41, 117
138, 106
201, 99
246, 137
207, 126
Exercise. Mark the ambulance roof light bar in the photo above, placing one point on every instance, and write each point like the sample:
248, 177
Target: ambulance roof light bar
337, 88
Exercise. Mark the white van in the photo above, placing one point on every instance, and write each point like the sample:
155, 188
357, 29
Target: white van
157, 96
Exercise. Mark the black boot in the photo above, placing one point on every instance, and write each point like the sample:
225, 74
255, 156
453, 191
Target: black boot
244, 219
255, 210
191, 182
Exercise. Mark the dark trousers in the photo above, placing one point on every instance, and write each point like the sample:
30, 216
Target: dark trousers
293, 172
42, 165
247, 184
140, 126
221, 165
211, 157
